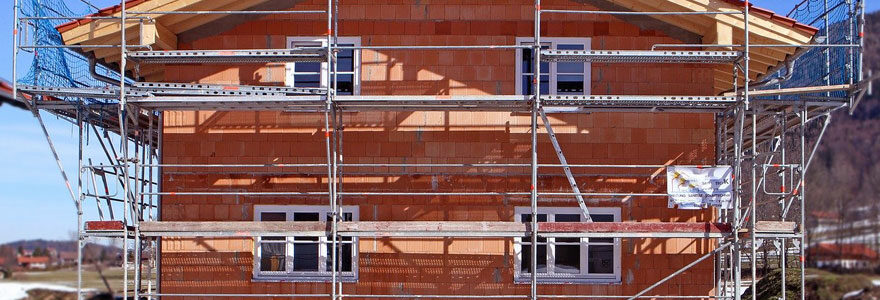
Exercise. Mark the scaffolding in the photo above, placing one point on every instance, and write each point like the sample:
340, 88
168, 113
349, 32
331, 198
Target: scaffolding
761, 132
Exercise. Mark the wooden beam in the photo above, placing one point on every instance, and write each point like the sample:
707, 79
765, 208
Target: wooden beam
102, 28
437, 229
689, 24
721, 34
163, 39
759, 25
199, 20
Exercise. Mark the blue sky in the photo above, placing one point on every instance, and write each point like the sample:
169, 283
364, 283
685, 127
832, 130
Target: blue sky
34, 202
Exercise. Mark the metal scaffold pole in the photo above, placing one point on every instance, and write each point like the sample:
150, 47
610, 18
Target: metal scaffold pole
802, 201
79, 209
536, 102
128, 213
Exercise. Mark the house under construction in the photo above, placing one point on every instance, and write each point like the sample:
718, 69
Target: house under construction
602, 149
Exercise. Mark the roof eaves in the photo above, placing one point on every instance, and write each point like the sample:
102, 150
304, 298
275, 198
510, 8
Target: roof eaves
783, 20
108, 11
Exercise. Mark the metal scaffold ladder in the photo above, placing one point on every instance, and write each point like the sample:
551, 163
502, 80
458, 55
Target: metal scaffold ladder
565, 168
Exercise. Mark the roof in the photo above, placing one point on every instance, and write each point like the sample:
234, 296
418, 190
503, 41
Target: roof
33, 259
842, 251
766, 27
6, 95
783, 20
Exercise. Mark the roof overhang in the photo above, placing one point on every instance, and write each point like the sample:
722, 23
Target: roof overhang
166, 32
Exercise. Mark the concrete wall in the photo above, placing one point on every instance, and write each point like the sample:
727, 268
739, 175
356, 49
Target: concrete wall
435, 266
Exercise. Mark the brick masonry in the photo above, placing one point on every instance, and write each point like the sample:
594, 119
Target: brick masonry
435, 266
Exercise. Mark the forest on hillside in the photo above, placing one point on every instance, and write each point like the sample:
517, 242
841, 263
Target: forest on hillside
846, 170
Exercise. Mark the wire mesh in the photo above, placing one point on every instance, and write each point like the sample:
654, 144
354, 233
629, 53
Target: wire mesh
51, 66
838, 25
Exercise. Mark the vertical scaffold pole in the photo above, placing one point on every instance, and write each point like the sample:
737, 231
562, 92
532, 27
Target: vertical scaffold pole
802, 200
79, 210
15, 49
160, 125
536, 98
127, 213
748, 107
782, 242
333, 10
753, 260
827, 50
736, 262
331, 151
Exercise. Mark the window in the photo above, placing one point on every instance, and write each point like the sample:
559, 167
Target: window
567, 260
314, 74
561, 78
302, 258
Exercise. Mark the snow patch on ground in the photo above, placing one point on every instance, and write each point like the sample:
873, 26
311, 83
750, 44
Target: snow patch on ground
18, 290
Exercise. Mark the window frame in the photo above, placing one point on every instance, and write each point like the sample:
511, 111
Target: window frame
557, 278
356, 68
323, 244
554, 42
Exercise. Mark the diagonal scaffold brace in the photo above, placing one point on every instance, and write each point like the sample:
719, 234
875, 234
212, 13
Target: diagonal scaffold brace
574, 187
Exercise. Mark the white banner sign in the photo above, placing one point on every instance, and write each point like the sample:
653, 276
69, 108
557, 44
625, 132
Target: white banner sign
699, 187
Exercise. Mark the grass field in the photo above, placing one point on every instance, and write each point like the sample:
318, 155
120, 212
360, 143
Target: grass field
67, 277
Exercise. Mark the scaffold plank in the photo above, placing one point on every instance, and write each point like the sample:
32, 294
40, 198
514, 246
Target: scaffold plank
183, 103
639, 102
637, 56
62, 92
171, 88
515, 103
237, 56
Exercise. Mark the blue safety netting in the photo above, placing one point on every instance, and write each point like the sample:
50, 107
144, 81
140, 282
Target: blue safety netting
56, 67
837, 21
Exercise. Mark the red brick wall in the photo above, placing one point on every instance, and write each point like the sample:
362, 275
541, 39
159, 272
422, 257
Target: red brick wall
435, 266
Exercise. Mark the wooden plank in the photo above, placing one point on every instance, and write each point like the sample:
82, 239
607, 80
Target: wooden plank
635, 227
433, 229
104, 226
775, 227
797, 90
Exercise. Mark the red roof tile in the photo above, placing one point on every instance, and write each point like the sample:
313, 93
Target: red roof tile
842, 251
33, 259
776, 17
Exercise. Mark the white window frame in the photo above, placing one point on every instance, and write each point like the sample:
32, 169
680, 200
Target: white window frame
323, 244
553, 43
356, 69
553, 278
